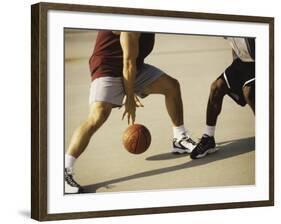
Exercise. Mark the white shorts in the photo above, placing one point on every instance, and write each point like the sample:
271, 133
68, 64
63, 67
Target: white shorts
111, 89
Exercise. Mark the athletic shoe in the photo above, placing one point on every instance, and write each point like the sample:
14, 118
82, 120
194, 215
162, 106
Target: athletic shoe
207, 145
183, 145
71, 186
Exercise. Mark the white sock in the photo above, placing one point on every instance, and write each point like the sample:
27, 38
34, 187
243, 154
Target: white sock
210, 130
179, 131
69, 161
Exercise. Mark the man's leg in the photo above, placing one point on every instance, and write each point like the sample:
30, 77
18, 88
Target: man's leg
207, 143
217, 92
99, 112
170, 88
249, 95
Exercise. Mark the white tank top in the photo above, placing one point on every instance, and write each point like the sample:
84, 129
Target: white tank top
240, 48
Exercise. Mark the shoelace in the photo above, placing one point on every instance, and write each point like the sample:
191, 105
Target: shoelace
200, 146
70, 181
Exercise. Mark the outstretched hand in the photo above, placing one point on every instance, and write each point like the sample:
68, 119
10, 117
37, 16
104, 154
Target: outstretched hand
130, 108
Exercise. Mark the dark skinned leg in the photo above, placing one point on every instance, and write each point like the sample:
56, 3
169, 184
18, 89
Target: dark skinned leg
217, 92
249, 95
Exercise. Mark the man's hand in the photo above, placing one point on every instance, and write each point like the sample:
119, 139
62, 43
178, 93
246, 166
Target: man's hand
130, 108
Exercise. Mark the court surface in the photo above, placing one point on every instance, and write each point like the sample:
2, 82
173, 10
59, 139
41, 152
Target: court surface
195, 61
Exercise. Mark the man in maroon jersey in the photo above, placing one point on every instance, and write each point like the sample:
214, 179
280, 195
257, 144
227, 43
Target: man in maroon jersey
117, 70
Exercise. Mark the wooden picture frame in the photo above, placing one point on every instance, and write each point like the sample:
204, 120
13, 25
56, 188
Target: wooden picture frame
39, 109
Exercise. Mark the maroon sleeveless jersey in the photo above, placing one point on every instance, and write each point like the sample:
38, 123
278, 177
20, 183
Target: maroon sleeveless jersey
107, 57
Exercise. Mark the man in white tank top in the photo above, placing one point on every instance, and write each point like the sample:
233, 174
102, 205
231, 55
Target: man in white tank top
238, 82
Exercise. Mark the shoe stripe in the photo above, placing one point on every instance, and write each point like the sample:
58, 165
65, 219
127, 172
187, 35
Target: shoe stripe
212, 150
201, 155
209, 151
181, 151
181, 145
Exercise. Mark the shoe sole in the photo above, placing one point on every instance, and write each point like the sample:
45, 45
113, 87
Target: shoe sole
72, 190
80, 190
180, 151
209, 151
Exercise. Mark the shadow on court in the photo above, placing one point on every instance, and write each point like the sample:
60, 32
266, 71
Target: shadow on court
226, 150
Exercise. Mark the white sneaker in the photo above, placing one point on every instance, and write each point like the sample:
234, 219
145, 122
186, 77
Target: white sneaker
70, 185
183, 145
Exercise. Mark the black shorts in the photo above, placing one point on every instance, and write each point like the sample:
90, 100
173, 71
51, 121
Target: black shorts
238, 75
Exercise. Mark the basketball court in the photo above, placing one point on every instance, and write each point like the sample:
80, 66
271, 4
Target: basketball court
195, 61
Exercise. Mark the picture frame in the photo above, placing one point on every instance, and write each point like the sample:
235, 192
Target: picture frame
40, 110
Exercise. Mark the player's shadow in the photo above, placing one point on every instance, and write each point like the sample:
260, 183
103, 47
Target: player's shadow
168, 156
225, 150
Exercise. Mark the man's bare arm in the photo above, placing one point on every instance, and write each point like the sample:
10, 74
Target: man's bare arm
130, 46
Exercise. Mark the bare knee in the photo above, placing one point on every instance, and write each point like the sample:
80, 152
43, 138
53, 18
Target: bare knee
98, 115
218, 89
172, 88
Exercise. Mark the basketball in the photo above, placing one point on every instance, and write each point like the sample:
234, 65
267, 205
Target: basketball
136, 139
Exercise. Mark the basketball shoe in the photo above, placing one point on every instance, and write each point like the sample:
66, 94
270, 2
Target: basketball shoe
70, 185
207, 145
183, 145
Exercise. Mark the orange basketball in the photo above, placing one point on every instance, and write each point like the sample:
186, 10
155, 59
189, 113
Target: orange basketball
136, 139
